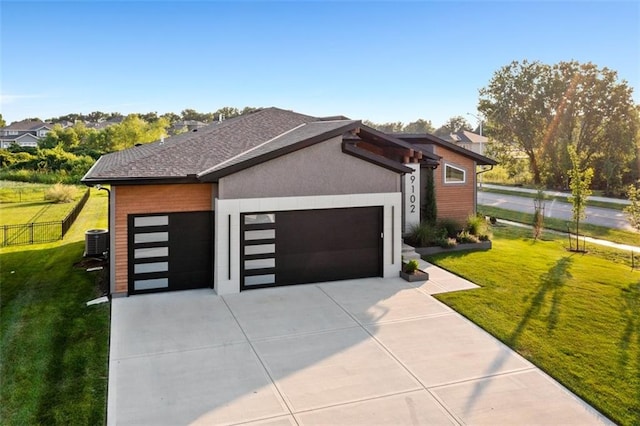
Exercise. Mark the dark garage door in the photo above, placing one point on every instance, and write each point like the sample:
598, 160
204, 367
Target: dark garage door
305, 246
171, 251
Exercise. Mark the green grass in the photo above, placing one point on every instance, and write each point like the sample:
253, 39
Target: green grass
576, 316
54, 349
595, 231
592, 203
20, 192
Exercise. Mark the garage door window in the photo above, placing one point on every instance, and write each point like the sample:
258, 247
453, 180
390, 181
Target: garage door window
258, 249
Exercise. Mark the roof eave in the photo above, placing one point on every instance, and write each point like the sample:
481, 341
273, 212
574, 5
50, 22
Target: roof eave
480, 159
351, 149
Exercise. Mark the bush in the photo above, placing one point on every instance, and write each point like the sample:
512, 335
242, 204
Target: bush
411, 266
476, 225
423, 234
60, 193
452, 227
465, 237
448, 242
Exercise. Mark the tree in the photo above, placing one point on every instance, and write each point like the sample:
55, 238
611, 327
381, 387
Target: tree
633, 210
430, 206
192, 114
453, 125
2, 122
171, 117
419, 126
392, 127
580, 184
542, 109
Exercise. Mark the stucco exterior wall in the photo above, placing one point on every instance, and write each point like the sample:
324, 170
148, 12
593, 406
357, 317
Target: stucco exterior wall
321, 169
455, 200
140, 199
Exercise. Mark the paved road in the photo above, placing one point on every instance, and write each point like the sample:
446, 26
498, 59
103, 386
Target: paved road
556, 209
556, 194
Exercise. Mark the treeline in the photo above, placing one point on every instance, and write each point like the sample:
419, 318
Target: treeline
66, 153
536, 113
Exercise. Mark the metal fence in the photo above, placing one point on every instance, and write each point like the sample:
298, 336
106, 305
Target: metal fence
40, 232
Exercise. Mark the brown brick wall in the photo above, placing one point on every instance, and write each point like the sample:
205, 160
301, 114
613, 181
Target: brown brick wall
455, 201
136, 199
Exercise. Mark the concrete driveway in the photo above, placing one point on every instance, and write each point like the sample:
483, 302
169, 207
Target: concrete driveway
361, 352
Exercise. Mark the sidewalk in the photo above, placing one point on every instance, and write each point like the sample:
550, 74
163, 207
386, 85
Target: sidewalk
554, 193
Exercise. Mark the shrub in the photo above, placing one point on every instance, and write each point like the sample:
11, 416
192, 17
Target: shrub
465, 237
60, 193
451, 227
411, 266
484, 237
447, 242
423, 234
476, 225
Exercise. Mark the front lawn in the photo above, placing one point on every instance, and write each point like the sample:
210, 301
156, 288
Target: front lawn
54, 349
602, 232
575, 316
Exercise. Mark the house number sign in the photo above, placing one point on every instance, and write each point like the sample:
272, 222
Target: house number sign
412, 197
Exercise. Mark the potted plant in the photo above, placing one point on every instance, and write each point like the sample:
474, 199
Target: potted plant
411, 273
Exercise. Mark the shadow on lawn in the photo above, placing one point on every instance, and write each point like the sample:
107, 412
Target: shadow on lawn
631, 315
553, 281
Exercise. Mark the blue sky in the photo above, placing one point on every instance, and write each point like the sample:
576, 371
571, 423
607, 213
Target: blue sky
382, 61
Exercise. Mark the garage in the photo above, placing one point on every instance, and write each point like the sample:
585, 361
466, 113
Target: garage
306, 246
170, 251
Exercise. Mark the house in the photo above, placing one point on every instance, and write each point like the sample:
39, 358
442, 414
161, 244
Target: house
185, 126
468, 140
269, 198
25, 133
455, 179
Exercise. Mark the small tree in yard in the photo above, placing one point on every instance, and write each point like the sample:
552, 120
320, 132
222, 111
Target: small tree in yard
633, 210
538, 214
580, 182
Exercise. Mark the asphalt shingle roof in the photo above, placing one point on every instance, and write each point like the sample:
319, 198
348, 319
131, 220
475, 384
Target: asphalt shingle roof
195, 152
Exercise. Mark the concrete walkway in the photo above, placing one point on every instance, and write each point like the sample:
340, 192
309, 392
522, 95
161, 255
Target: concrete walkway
360, 352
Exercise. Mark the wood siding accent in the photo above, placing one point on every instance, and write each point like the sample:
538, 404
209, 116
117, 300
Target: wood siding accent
455, 200
144, 199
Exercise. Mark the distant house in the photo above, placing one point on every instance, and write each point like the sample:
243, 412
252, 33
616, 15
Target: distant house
468, 140
25, 133
185, 126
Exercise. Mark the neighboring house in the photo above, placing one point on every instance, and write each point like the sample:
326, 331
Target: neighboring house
455, 179
468, 140
264, 199
185, 126
25, 133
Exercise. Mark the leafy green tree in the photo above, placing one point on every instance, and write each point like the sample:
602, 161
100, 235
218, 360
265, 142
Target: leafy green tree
633, 210
133, 130
419, 126
391, 127
226, 112
192, 114
580, 184
171, 117
2, 122
541, 109
453, 125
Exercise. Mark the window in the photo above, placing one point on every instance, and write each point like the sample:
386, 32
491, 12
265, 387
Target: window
453, 174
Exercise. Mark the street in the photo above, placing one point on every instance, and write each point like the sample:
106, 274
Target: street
556, 209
